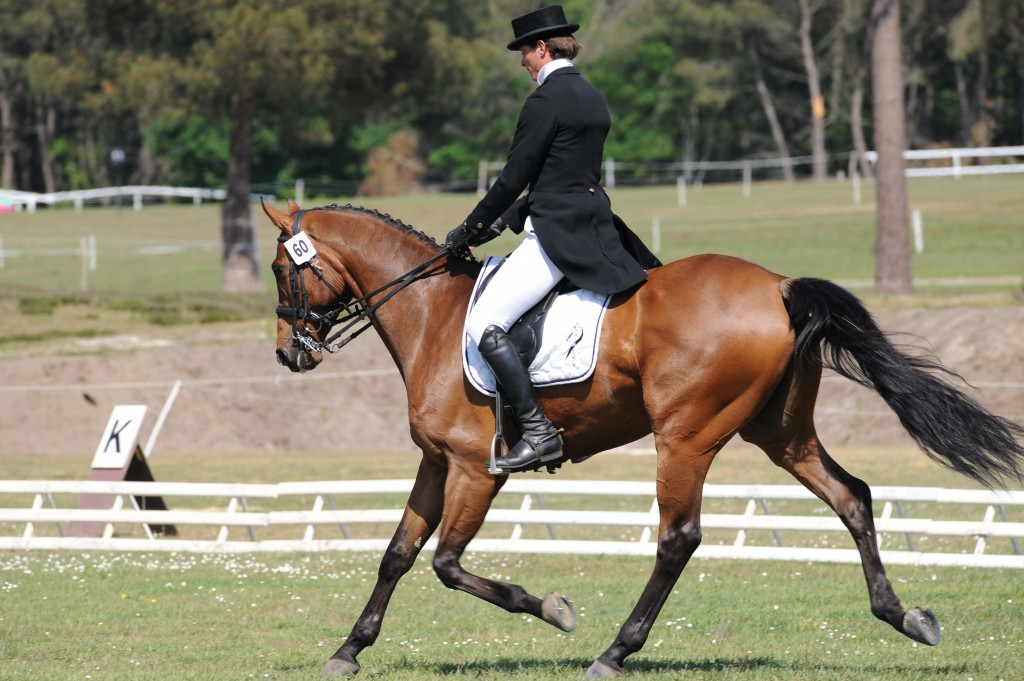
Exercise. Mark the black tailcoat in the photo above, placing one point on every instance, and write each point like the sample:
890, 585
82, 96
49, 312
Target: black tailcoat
557, 152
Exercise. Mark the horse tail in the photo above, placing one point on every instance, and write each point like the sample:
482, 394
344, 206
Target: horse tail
834, 330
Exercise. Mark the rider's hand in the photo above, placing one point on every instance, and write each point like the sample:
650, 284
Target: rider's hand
458, 240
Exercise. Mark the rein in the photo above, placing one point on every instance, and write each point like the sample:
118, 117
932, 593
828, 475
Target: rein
356, 311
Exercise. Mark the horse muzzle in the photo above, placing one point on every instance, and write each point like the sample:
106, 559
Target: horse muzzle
298, 359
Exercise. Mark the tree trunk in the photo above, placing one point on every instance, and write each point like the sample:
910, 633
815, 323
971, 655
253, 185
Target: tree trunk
781, 147
814, 90
1020, 90
46, 129
241, 257
860, 145
8, 141
966, 121
984, 132
861, 66
892, 246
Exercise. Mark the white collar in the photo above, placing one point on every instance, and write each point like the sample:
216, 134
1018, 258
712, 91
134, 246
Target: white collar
548, 68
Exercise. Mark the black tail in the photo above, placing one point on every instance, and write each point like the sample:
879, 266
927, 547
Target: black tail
835, 330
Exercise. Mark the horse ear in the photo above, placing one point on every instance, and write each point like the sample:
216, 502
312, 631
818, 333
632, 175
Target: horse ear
280, 218
293, 207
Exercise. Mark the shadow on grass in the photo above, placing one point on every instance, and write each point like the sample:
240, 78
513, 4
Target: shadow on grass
505, 666
508, 665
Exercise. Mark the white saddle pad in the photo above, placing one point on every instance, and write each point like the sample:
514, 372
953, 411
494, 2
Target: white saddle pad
568, 353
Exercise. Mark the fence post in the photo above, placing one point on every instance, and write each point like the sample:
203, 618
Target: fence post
300, 191
656, 234
918, 231
83, 245
481, 178
609, 173
747, 176
681, 190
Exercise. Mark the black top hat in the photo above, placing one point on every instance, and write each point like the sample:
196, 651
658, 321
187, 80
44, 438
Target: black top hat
545, 22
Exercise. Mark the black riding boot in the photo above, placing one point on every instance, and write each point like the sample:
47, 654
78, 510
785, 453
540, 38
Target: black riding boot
541, 441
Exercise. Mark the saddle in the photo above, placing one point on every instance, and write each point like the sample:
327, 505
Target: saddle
527, 333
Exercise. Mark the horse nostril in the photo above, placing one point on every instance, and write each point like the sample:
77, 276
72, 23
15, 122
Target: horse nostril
282, 357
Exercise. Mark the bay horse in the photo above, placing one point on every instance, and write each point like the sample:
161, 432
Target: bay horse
709, 347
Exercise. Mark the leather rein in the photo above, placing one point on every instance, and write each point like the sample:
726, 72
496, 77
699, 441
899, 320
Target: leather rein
351, 312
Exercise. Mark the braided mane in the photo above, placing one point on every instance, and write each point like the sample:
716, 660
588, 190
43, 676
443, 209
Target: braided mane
386, 219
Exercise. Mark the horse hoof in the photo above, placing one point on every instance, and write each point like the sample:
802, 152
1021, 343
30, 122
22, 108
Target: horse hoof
337, 668
601, 670
557, 611
921, 626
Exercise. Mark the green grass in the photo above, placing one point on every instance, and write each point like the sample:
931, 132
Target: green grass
144, 616
974, 228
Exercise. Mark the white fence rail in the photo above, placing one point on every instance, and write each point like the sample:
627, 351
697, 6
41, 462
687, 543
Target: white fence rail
79, 197
300, 526
955, 157
688, 172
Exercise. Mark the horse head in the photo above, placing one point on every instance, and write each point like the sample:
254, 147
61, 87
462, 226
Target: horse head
309, 296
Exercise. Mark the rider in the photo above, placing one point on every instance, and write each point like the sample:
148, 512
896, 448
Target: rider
556, 152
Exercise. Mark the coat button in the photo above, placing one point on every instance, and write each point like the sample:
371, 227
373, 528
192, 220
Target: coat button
591, 190
479, 225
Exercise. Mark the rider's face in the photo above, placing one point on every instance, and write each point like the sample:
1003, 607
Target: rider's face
535, 55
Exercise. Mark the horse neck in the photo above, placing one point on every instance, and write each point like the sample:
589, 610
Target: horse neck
417, 319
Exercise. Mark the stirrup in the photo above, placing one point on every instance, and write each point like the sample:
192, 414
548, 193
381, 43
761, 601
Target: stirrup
552, 461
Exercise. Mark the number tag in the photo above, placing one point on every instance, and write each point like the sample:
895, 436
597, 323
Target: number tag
300, 248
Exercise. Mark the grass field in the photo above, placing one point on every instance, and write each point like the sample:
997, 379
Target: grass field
159, 616
99, 616
973, 227
160, 267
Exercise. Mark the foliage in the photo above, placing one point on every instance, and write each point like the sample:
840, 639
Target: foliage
324, 83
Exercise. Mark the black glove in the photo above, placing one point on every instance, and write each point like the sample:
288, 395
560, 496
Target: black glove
458, 240
482, 236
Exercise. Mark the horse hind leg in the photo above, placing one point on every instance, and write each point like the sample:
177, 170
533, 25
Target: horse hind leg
784, 430
680, 482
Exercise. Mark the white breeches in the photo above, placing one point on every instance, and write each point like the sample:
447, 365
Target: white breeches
520, 283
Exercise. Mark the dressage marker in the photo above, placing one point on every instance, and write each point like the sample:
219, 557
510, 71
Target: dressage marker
120, 458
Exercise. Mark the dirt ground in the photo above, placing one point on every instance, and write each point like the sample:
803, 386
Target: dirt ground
234, 397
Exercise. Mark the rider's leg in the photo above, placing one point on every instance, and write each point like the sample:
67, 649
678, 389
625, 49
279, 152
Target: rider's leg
522, 281
541, 441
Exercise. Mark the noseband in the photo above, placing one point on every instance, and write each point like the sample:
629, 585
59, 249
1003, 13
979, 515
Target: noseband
353, 311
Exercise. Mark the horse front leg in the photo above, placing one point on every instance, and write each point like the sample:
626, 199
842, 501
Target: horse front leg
468, 497
421, 517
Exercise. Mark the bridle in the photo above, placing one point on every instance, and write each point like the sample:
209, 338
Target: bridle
354, 311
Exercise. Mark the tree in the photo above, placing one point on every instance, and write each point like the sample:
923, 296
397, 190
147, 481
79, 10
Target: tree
254, 57
819, 159
892, 246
